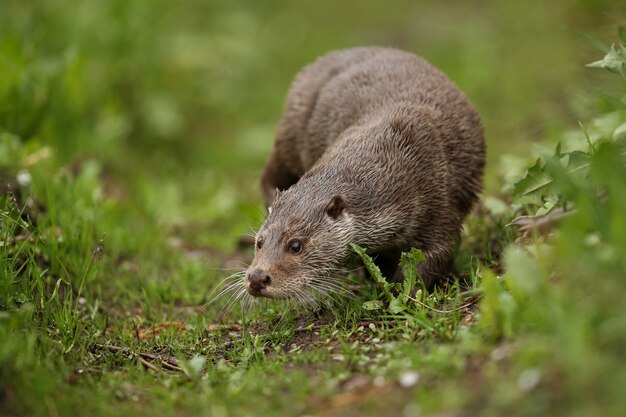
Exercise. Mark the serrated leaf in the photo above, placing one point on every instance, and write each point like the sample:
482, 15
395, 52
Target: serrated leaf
550, 203
374, 271
372, 268
578, 165
373, 305
528, 190
614, 60
577, 160
408, 264
557, 150
536, 188
396, 306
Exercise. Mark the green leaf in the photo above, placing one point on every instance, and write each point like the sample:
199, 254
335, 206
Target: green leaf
372, 268
551, 202
587, 138
373, 305
193, 367
397, 306
528, 190
614, 60
557, 150
408, 264
537, 187
497, 308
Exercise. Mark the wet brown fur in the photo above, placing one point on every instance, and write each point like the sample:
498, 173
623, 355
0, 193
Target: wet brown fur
378, 148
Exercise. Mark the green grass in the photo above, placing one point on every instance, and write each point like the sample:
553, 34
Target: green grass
132, 136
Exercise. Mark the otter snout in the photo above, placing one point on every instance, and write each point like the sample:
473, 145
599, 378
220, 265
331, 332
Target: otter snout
257, 280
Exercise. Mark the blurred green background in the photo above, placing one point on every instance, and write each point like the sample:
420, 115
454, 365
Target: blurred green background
197, 87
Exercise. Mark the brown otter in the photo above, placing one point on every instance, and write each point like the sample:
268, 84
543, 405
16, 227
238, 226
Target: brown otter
376, 147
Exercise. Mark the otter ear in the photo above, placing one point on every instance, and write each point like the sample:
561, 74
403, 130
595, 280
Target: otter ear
336, 207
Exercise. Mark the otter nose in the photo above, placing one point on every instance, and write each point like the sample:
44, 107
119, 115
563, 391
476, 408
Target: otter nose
258, 279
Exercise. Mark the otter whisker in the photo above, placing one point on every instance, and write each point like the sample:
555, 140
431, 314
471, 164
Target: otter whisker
235, 275
327, 288
290, 307
248, 302
227, 305
231, 301
295, 301
306, 299
327, 283
241, 294
323, 296
331, 286
225, 287
261, 212
240, 266
235, 282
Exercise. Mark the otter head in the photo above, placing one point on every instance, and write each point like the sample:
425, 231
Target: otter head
304, 239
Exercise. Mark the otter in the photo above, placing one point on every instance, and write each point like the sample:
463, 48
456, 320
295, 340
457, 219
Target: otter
375, 147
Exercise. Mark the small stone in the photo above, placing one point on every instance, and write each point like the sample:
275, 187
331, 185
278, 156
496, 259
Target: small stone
24, 178
529, 379
408, 379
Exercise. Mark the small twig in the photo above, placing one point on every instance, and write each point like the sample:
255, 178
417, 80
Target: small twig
168, 365
148, 364
167, 361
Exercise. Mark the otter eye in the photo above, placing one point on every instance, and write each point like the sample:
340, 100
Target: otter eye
294, 246
259, 243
